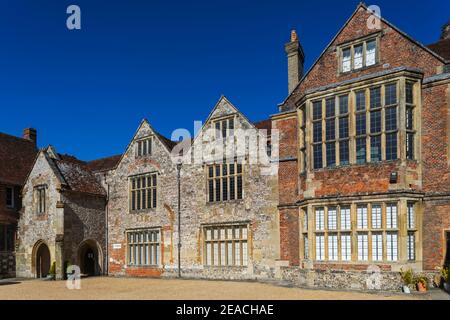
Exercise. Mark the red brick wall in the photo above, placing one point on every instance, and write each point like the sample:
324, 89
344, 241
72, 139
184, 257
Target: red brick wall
435, 221
144, 272
436, 172
396, 50
288, 169
289, 236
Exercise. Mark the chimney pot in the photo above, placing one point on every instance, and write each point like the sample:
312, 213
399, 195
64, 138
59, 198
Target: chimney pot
296, 60
30, 134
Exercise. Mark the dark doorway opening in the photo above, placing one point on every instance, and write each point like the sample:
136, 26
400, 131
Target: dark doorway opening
89, 259
42, 261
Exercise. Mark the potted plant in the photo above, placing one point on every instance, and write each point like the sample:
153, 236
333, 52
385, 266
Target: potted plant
445, 273
408, 280
421, 282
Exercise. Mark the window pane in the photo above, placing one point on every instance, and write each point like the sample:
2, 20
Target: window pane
330, 110
360, 124
344, 152
391, 216
410, 146
376, 216
377, 247
375, 148
375, 98
411, 223
409, 93
391, 94
361, 215
331, 154
411, 246
391, 146
318, 156
343, 104
320, 219
333, 247
391, 246
375, 122
343, 127
358, 56
317, 110
305, 247
346, 247
317, 131
320, 248
360, 100
391, 118
332, 218
346, 60
345, 218
371, 53
409, 118
330, 132
363, 247
361, 150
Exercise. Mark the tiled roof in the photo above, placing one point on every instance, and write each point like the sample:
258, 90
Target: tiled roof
265, 124
442, 48
17, 156
77, 175
104, 164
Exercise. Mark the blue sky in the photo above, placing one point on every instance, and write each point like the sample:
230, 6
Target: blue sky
86, 91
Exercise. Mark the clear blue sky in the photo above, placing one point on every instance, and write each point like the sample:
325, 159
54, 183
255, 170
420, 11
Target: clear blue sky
169, 61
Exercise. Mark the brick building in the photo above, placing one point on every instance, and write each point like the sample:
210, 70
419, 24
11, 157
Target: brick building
364, 172
16, 159
359, 180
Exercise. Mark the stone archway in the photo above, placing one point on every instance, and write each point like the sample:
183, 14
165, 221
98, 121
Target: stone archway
41, 259
90, 258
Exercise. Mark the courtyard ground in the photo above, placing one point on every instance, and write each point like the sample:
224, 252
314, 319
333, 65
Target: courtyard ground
103, 288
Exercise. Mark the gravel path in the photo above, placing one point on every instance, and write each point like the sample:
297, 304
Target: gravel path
168, 289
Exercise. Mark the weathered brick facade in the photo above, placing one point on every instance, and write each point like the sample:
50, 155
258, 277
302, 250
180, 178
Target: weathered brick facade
416, 183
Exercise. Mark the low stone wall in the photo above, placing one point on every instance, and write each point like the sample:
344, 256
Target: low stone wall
7, 265
343, 280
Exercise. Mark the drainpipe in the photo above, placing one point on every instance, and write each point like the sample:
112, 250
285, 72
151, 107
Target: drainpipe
179, 165
106, 266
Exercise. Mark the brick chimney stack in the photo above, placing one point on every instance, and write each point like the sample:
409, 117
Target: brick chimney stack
296, 60
30, 134
446, 31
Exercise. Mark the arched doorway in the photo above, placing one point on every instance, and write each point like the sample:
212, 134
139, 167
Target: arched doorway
90, 258
42, 260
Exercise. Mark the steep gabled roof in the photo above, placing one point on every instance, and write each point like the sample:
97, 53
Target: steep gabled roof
363, 6
16, 159
104, 164
77, 175
442, 48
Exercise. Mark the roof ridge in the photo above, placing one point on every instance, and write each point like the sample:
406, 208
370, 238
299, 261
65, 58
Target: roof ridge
15, 137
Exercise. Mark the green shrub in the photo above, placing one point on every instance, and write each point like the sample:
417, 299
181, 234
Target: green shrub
407, 277
445, 273
421, 278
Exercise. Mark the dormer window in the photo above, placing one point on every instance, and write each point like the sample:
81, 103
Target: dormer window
224, 128
359, 55
144, 147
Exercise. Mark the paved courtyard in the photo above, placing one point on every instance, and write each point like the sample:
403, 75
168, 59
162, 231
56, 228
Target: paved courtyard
165, 289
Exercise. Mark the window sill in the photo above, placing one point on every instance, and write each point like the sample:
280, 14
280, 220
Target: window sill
356, 165
345, 73
237, 202
145, 211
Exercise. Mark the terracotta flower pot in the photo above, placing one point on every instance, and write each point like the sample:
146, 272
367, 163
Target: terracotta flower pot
421, 287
